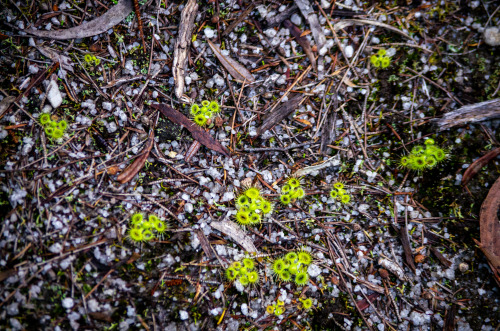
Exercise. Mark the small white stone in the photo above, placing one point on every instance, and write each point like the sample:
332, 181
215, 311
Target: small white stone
54, 96
183, 315
296, 19
68, 303
209, 33
349, 51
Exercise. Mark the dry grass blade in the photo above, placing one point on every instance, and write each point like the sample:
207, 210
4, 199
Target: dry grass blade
239, 72
302, 40
345, 23
234, 231
198, 133
477, 165
101, 24
138, 163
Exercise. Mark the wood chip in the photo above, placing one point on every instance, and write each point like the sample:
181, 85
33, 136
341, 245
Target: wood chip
393, 268
182, 43
279, 113
474, 113
235, 69
234, 231
197, 132
88, 29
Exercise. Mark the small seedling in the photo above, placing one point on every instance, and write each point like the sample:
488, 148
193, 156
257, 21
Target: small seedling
423, 157
293, 266
380, 60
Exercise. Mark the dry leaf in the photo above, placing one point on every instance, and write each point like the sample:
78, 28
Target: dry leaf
477, 165
236, 70
198, 133
302, 40
88, 29
234, 231
490, 228
138, 163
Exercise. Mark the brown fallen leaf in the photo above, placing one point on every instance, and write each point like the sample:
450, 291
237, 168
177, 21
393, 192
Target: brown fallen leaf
301, 40
477, 165
88, 29
236, 70
138, 163
490, 229
198, 133
363, 304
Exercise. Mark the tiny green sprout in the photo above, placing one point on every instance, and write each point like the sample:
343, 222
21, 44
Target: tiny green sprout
137, 218
252, 193
49, 131
278, 266
291, 256
62, 124
270, 309
299, 193
148, 235
417, 150
255, 218
200, 119
205, 103
195, 109
374, 59
231, 274
58, 133
380, 60
429, 141
88, 58
430, 161
45, 119
304, 257
266, 207
285, 276
243, 218
135, 235
294, 182
244, 280
279, 310
242, 200
385, 62
214, 106
334, 193
248, 263
286, 188
338, 185
306, 303
253, 277
302, 278
285, 199
345, 199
